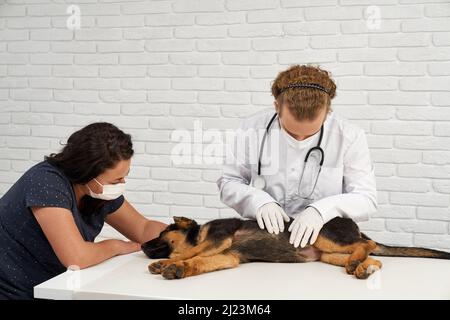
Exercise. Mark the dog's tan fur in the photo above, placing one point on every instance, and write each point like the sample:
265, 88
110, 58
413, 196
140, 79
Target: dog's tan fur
222, 244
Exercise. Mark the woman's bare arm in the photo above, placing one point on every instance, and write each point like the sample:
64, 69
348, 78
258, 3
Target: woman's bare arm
63, 235
133, 225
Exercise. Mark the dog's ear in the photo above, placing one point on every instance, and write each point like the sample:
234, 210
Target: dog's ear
184, 222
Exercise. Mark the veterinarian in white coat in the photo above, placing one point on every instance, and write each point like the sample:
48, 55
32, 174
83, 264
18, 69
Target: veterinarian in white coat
287, 186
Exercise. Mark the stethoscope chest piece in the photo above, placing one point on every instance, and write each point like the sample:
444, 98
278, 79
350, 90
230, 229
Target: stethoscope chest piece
259, 183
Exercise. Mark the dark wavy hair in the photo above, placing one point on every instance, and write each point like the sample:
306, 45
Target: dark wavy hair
88, 153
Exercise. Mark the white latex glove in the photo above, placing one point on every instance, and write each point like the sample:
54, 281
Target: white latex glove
271, 215
306, 225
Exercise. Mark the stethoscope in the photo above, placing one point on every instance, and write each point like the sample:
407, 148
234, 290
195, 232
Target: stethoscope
259, 182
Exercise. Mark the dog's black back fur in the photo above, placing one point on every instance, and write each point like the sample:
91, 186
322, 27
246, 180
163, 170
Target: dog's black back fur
251, 242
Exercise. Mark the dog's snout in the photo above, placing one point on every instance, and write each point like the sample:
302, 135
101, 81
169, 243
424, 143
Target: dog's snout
156, 249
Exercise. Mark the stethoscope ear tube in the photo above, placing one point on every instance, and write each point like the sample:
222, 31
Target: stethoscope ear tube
263, 142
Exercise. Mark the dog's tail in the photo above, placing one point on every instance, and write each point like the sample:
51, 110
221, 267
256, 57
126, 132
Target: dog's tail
389, 251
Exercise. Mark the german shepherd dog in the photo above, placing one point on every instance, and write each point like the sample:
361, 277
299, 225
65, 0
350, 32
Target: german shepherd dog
191, 249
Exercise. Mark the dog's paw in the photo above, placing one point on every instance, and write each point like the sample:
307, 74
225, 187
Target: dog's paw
155, 267
361, 272
174, 271
158, 266
364, 271
351, 267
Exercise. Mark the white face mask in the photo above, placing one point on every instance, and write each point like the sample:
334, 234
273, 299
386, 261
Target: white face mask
110, 191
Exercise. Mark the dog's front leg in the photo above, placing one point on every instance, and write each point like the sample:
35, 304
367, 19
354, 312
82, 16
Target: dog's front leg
198, 265
204, 249
158, 266
214, 250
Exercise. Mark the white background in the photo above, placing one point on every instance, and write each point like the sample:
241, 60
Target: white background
154, 66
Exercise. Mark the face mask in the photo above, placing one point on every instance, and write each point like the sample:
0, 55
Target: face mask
110, 191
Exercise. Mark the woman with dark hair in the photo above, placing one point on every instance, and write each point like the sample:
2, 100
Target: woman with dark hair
51, 216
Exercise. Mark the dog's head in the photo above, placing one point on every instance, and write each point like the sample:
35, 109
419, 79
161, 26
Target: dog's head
175, 239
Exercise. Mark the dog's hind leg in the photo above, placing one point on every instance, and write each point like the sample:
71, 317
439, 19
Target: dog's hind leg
362, 271
336, 259
367, 267
360, 253
198, 265
357, 252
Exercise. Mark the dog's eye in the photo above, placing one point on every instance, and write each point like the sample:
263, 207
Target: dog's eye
172, 241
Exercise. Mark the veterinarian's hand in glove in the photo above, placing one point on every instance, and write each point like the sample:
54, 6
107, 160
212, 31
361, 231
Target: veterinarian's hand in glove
306, 225
272, 216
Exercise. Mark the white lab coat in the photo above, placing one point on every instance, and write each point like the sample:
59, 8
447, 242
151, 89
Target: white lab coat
345, 187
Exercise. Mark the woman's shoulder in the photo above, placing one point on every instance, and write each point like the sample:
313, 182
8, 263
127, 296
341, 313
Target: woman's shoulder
45, 172
44, 185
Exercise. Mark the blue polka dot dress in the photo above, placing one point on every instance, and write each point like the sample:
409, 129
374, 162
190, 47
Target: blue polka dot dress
26, 257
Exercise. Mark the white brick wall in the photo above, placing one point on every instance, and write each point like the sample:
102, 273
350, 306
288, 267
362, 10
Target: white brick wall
154, 66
